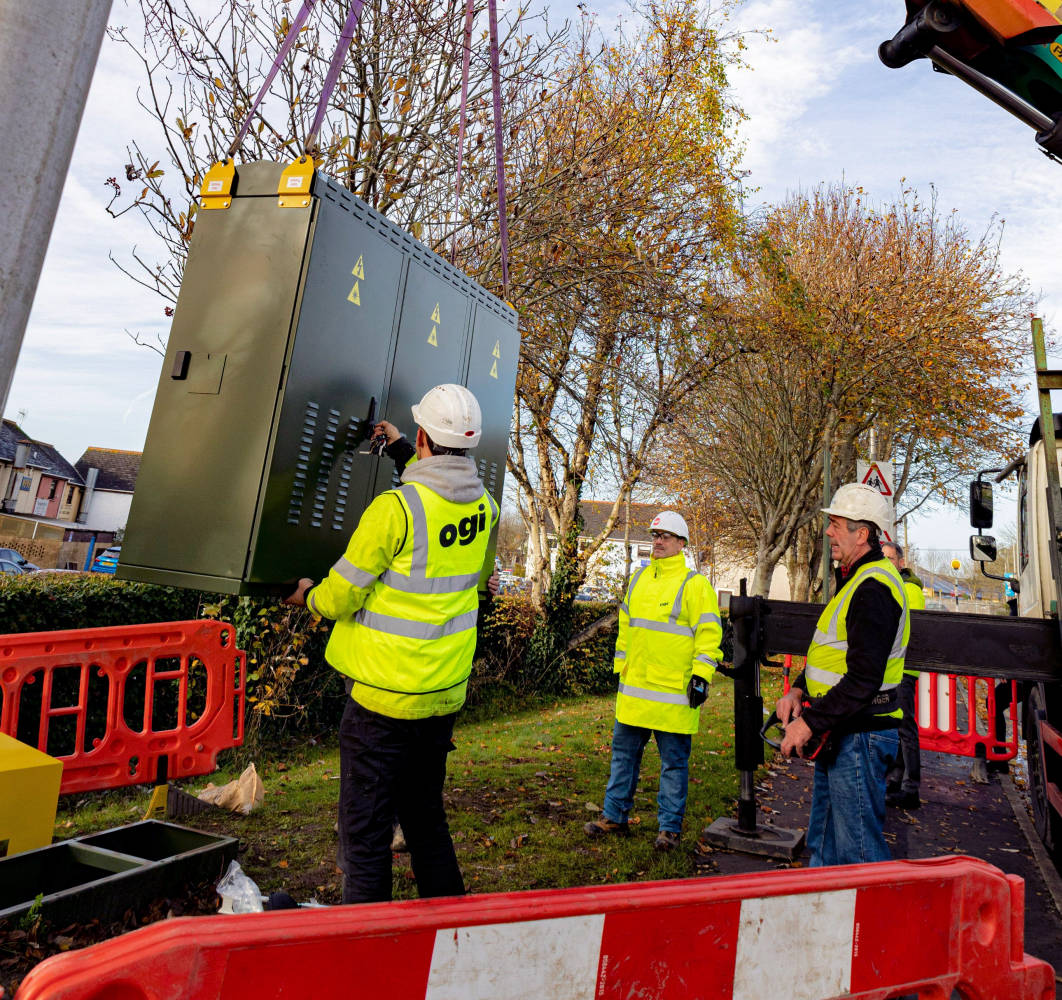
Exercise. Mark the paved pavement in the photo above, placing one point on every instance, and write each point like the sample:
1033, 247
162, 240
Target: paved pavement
958, 816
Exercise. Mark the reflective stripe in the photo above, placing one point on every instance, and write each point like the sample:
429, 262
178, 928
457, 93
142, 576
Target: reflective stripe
312, 606
630, 587
429, 584
822, 639
708, 617
705, 658
676, 608
827, 678
416, 630
354, 575
419, 557
646, 695
620, 654
625, 609
651, 626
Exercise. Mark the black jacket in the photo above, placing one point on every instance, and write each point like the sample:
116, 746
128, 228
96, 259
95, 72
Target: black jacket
872, 618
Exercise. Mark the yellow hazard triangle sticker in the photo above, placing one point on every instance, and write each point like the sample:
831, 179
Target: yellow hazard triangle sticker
355, 295
432, 339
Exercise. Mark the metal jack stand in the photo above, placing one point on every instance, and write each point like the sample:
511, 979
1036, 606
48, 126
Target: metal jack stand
742, 834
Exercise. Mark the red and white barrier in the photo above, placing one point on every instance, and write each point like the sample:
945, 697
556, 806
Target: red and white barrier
864, 932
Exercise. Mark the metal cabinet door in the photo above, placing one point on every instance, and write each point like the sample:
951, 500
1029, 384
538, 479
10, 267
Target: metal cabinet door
430, 350
491, 376
320, 474
197, 489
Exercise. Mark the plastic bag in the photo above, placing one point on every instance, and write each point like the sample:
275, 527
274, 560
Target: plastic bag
239, 892
241, 795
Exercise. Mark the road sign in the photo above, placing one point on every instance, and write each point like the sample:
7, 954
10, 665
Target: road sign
878, 475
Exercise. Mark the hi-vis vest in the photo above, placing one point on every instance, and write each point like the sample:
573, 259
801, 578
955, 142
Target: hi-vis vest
828, 655
669, 630
916, 601
409, 646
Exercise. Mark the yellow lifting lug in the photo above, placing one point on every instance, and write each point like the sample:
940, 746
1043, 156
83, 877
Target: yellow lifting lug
293, 191
217, 185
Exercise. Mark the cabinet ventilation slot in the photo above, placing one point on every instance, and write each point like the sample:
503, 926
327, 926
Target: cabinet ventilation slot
302, 463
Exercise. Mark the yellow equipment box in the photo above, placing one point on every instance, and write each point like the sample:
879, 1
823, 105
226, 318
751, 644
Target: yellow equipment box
29, 793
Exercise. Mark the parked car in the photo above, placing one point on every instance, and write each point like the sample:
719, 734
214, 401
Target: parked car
107, 560
12, 568
13, 555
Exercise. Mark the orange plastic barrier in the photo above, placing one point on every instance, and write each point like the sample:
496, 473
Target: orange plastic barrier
974, 730
813, 933
111, 702
979, 730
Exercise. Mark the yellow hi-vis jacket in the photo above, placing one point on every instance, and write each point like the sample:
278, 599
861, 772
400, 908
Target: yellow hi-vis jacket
669, 630
828, 654
916, 601
404, 596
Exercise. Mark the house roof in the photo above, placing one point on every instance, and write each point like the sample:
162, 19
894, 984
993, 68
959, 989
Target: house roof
118, 469
41, 456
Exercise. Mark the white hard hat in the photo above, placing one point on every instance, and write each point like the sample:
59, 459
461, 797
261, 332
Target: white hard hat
668, 520
859, 502
450, 416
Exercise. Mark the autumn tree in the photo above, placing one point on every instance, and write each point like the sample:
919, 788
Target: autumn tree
618, 276
389, 133
852, 317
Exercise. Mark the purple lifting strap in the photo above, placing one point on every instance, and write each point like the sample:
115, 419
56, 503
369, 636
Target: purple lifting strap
285, 48
333, 70
499, 155
461, 125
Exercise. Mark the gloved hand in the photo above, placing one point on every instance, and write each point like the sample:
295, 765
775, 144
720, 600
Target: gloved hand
697, 691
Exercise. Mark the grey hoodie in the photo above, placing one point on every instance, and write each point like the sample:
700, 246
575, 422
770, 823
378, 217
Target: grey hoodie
453, 477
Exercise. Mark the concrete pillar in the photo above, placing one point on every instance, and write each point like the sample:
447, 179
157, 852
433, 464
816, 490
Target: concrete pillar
48, 51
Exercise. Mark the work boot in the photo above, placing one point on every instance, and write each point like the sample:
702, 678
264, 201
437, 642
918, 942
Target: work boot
666, 840
598, 827
903, 800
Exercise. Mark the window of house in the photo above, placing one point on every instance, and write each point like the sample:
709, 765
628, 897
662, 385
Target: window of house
645, 551
54, 487
70, 495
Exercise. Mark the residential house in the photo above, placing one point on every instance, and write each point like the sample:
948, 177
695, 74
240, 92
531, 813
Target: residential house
109, 476
35, 480
607, 566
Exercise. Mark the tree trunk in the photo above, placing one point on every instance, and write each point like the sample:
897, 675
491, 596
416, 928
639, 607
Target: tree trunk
761, 577
803, 562
549, 642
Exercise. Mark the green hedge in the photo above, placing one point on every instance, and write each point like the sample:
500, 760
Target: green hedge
503, 637
290, 687
44, 602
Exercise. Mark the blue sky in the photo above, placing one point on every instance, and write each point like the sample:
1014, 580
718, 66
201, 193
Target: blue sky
821, 108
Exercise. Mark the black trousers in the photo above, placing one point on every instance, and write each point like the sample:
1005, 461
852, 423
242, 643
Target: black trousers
906, 774
394, 768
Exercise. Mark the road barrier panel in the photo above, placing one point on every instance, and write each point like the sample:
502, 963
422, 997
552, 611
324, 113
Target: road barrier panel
110, 703
936, 928
978, 728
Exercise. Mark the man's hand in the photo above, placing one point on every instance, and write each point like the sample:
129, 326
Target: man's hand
697, 691
789, 706
493, 584
797, 734
388, 430
298, 596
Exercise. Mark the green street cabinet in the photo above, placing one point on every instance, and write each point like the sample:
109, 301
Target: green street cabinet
304, 315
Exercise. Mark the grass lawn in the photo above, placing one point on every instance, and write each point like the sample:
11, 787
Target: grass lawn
518, 791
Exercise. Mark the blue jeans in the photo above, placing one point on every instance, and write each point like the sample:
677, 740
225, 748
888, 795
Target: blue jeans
628, 742
848, 801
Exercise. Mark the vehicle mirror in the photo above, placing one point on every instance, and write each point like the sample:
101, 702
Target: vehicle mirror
982, 548
980, 505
